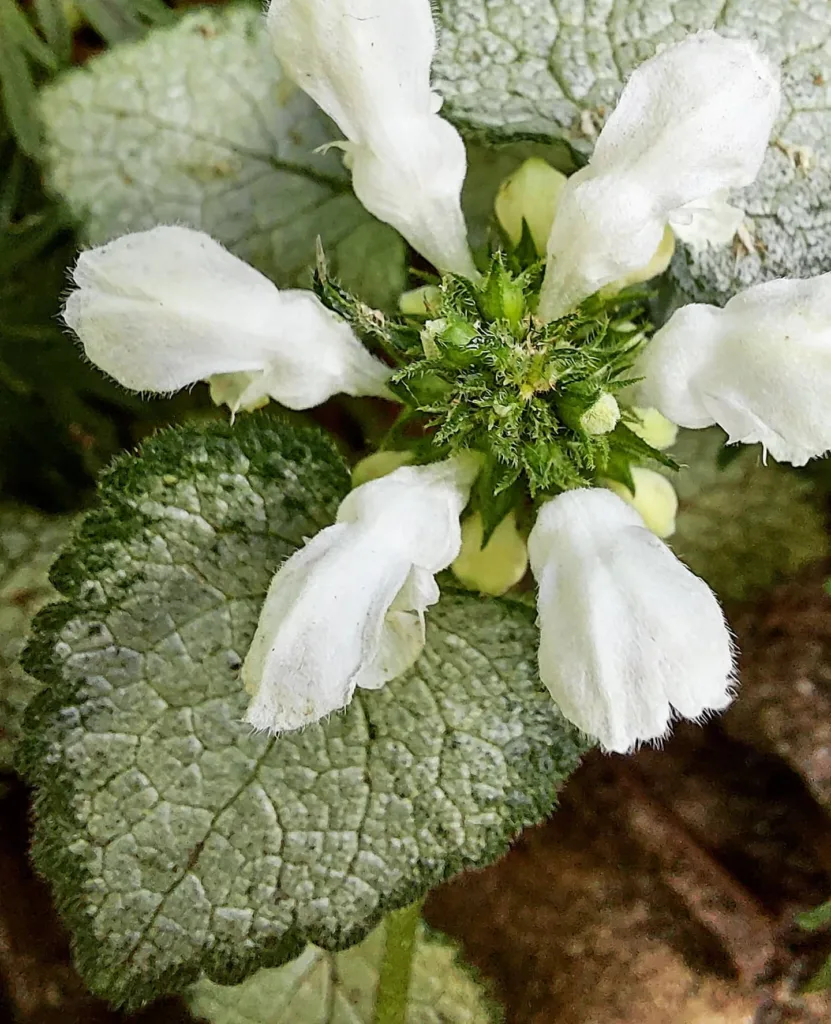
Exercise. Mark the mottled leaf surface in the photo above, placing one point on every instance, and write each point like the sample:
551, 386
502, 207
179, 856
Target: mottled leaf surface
320, 987
29, 543
743, 525
179, 842
196, 125
555, 68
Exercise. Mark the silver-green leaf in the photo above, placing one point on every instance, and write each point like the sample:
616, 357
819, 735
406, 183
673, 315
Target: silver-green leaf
743, 525
320, 987
178, 842
29, 543
554, 69
196, 125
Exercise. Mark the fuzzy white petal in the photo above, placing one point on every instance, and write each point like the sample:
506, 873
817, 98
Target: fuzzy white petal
367, 64
161, 309
691, 121
706, 222
760, 367
629, 637
348, 609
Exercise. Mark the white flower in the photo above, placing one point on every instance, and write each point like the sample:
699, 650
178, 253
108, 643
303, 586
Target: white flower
630, 638
162, 309
367, 64
691, 122
348, 609
708, 221
760, 368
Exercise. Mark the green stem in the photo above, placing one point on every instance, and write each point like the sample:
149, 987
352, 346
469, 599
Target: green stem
394, 981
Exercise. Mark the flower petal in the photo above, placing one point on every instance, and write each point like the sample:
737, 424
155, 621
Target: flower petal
760, 367
709, 221
316, 355
630, 638
413, 181
403, 632
324, 610
429, 500
154, 309
348, 609
690, 122
367, 64
161, 309
654, 499
351, 56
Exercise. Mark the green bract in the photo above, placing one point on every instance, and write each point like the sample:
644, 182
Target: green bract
177, 841
196, 125
555, 69
341, 988
483, 373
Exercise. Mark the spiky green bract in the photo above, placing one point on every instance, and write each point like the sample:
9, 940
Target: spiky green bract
489, 375
178, 842
485, 374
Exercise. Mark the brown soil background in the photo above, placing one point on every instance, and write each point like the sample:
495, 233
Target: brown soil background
662, 892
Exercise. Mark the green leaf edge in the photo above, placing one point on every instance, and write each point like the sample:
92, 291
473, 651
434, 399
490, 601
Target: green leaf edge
52, 815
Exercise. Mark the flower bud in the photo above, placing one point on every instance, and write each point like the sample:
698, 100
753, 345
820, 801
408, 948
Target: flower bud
654, 498
530, 194
599, 417
379, 464
450, 332
654, 428
496, 567
502, 297
422, 301
230, 389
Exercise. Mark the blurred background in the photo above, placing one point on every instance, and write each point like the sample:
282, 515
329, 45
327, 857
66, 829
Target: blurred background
666, 888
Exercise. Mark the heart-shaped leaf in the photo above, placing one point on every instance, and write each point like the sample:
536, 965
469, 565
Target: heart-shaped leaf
178, 841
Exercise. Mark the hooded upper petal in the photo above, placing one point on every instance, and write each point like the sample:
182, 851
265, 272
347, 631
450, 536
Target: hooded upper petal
629, 637
348, 609
691, 121
161, 309
367, 64
760, 367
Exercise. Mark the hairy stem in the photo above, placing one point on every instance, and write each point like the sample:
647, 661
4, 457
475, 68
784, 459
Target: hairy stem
394, 981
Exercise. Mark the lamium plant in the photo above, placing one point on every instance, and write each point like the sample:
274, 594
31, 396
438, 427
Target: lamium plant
282, 699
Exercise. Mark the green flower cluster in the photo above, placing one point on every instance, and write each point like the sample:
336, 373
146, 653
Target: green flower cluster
543, 402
